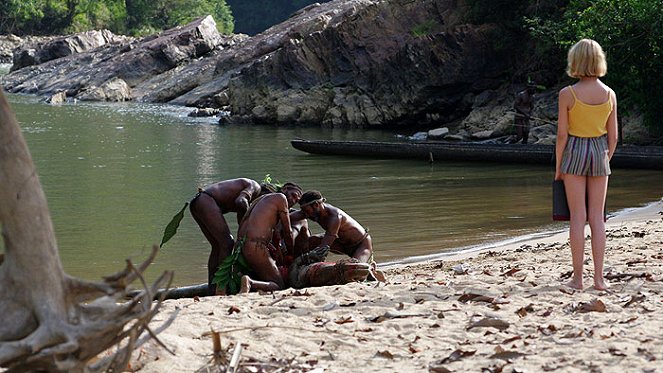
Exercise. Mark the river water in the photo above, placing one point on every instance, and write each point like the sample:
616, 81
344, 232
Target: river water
115, 174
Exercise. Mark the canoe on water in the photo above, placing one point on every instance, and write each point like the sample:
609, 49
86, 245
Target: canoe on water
643, 157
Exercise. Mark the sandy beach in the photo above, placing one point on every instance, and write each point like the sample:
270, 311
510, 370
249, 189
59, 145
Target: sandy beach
504, 310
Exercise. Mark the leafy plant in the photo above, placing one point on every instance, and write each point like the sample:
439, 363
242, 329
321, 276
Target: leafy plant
229, 274
268, 180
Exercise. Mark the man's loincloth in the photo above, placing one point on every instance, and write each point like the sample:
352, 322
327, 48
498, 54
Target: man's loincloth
203, 191
351, 247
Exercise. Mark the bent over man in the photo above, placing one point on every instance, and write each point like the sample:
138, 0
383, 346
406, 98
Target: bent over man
208, 207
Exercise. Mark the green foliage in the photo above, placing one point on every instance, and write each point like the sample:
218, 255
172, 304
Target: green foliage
229, 274
275, 183
255, 16
423, 28
120, 16
631, 34
171, 228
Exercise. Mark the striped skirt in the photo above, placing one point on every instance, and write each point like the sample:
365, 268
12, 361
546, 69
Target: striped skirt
586, 156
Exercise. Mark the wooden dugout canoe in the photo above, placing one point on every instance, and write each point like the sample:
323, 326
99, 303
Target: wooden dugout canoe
643, 157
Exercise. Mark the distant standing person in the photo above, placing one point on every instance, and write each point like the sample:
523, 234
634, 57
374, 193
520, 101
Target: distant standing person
342, 234
208, 207
523, 105
586, 141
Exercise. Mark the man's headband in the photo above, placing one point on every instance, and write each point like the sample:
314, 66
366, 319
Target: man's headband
312, 202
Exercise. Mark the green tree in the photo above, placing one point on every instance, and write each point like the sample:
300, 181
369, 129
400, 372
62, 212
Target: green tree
631, 33
254, 16
19, 14
120, 16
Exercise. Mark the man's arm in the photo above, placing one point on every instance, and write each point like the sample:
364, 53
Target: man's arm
331, 230
242, 203
284, 219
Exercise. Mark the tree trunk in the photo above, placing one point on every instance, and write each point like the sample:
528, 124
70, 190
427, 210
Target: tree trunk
44, 327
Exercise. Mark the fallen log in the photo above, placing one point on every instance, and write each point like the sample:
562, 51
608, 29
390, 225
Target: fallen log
191, 291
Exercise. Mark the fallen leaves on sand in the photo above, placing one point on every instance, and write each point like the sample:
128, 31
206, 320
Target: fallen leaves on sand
490, 322
548, 330
233, 309
634, 299
628, 276
646, 354
523, 311
514, 338
277, 365
467, 297
385, 354
501, 353
595, 305
567, 291
616, 352
547, 312
438, 369
511, 272
395, 315
344, 320
636, 261
455, 356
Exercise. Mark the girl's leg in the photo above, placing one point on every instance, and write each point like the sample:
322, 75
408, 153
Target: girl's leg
597, 188
575, 187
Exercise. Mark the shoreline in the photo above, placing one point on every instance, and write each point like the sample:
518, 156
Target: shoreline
647, 211
499, 310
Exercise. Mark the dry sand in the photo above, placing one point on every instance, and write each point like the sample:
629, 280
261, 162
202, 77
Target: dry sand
504, 310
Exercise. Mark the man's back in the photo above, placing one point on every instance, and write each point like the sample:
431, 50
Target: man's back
226, 192
263, 216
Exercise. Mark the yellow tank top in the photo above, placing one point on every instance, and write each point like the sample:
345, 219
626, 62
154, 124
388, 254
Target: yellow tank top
587, 120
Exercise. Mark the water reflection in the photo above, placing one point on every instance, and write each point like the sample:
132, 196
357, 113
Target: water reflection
115, 174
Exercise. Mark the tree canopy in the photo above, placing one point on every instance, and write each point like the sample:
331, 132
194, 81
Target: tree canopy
631, 34
135, 17
255, 16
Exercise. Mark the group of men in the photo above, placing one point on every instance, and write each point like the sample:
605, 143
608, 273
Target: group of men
275, 239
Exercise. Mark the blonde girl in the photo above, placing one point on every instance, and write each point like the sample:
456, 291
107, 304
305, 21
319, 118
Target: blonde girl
586, 141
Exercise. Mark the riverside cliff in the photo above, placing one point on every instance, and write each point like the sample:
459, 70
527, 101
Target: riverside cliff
351, 63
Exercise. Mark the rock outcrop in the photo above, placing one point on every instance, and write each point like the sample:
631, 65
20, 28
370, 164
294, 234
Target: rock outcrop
112, 71
36, 53
346, 63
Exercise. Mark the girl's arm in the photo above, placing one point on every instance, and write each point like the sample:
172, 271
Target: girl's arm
564, 103
611, 126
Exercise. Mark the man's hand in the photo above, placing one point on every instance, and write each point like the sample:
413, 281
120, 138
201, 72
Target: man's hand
316, 255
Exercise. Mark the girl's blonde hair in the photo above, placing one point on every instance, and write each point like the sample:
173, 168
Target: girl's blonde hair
586, 59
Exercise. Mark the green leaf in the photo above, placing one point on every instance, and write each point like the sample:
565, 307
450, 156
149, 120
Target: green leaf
241, 261
234, 287
171, 228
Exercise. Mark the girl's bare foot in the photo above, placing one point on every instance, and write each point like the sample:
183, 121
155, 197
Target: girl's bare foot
600, 284
575, 284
